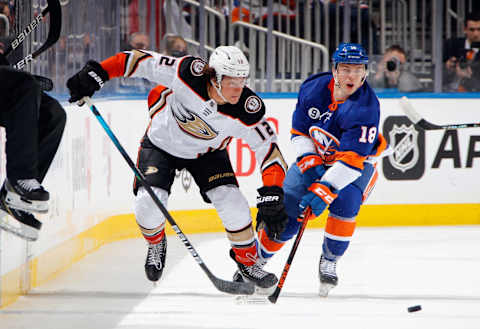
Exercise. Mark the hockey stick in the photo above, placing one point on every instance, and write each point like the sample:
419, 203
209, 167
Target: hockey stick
418, 120
236, 288
55, 11
304, 216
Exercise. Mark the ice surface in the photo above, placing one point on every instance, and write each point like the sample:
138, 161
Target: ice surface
385, 271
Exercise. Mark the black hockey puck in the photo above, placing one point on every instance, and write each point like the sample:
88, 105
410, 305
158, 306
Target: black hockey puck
415, 308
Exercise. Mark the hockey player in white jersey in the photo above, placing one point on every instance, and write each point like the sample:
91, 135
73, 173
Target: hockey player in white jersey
194, 116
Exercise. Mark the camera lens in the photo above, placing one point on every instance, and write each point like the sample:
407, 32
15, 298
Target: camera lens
463, 64
391, 66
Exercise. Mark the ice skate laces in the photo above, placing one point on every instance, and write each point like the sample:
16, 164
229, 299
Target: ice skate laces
155, 254
256, 270
29, 184
328, 267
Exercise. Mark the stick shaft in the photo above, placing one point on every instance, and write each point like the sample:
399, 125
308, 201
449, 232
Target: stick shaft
222, 285
273, 297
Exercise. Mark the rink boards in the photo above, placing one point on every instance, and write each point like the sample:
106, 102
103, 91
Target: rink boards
432, 179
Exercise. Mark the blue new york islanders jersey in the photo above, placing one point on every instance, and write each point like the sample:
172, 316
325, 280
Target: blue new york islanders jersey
341, 131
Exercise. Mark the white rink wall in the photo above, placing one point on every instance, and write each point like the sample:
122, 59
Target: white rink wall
89, 181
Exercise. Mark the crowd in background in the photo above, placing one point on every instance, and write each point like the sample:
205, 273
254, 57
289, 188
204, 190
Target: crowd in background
391, 70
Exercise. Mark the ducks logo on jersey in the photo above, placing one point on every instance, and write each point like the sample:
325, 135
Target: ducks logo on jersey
192, 124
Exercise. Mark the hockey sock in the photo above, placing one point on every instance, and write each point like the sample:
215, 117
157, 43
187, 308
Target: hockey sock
267, 246
338, 233
154, 235
246, 254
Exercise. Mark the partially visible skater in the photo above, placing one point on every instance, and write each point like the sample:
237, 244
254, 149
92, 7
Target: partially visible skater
193, 119
336, 140
34, 123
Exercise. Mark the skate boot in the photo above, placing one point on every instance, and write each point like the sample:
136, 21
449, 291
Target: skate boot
237, 276
328, 276
265, 282
29, 225
155, 262
26, 195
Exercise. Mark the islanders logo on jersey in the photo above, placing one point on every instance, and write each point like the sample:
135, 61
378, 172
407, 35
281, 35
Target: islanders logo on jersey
192, 124
325, 143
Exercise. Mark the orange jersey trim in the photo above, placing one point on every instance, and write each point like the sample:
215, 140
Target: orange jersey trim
273, 175
115, 65
382, 145
296, 132
334, 106
339, 227
155, 94
351, 158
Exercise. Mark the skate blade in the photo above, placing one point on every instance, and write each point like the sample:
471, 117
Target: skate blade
259, 291
13, 200
25, 232
325, 289
251, 300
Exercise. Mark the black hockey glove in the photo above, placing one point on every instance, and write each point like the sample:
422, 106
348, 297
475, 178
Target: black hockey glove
86, 81
271, 211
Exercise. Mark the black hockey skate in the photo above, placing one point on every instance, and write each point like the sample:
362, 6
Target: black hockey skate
264, 281
26, 195
155, 262
237, 276
29, 225
328, 275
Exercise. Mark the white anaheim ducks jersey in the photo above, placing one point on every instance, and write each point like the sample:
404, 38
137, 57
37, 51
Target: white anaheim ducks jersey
185, 122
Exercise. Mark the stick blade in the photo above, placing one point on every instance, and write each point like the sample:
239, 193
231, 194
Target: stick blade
409, 110
234, 288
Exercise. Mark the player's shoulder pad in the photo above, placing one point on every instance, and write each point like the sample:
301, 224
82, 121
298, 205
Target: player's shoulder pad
365, 112
250, 109
191, 73
315, 85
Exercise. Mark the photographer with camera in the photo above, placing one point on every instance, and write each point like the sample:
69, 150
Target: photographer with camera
461, 57
391, 73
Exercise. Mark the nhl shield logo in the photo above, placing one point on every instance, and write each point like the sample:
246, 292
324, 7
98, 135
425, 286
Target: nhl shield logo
403, 140
407, 162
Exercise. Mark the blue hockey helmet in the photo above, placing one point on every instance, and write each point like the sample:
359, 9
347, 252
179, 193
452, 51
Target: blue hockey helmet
350, 53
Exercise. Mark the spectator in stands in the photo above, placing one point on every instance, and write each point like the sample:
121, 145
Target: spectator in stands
175, 46
462, 58
4, 26
5, 10
138, 40
391, 72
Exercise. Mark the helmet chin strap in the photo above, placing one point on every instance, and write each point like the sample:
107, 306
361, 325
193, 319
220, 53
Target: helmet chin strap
219, 90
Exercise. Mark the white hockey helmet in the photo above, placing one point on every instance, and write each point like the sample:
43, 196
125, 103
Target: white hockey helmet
229, 61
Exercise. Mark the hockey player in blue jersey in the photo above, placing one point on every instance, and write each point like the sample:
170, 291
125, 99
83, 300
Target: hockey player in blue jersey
335, 135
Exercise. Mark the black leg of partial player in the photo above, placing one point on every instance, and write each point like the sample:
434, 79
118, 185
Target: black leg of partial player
236, 288
55, 10
274, 296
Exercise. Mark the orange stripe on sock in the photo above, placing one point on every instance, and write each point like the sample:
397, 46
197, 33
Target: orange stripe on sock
339, 227
267, 244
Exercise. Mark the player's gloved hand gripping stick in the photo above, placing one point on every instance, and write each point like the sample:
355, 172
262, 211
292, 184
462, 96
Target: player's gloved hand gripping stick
236, 288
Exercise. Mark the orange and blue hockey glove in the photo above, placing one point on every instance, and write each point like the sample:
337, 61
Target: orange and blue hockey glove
320, 195
311, 167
